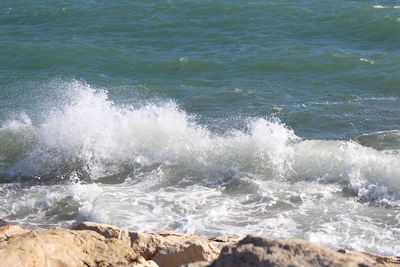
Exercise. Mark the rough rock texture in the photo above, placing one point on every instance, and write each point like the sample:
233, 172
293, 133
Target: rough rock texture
166, 248
93, 244
8, 230
106, 230
259, 251
170, 249
388, 260
62, 247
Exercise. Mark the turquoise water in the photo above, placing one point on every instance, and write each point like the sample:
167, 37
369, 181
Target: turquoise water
332, 68
221, 117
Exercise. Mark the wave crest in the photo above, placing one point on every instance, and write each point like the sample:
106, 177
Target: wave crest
94, 138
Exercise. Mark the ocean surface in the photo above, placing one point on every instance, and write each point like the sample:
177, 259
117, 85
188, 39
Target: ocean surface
279, 118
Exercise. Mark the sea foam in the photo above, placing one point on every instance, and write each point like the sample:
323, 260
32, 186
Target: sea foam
151, 166
92, 136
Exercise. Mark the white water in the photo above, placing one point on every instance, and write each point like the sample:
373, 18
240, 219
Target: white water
151, 166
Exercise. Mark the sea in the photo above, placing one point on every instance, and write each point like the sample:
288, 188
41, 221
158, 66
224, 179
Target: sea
275, 118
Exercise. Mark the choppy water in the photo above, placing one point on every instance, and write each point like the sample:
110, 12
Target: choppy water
278, 118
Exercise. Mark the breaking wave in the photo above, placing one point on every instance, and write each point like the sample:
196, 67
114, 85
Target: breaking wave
94, 139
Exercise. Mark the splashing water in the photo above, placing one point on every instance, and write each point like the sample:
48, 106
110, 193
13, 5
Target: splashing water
152, 166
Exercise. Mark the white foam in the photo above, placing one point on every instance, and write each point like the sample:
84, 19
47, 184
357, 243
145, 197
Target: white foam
367, 60
263, 179
103, 138
87, 196
370, 173
23, 121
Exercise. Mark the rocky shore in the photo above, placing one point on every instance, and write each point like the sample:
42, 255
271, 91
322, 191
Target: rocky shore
93, 244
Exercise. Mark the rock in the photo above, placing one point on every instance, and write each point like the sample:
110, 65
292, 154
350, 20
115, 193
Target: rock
143, 263
62, 247
388, 260
8, 231
106, 230
147, 245
93, 244
170, 249
183, 253
165, 248
259, 251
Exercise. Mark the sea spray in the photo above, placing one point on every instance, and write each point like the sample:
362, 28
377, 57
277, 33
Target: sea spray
96, 138
93, 159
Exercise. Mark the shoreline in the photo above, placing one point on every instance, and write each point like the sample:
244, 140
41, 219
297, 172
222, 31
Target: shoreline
95, 244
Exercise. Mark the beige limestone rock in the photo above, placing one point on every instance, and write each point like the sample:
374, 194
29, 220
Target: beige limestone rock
165, 248
178, 254
93, 244
62, 247
106, 230
259, 251
386, 260
9, 230
170, 249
